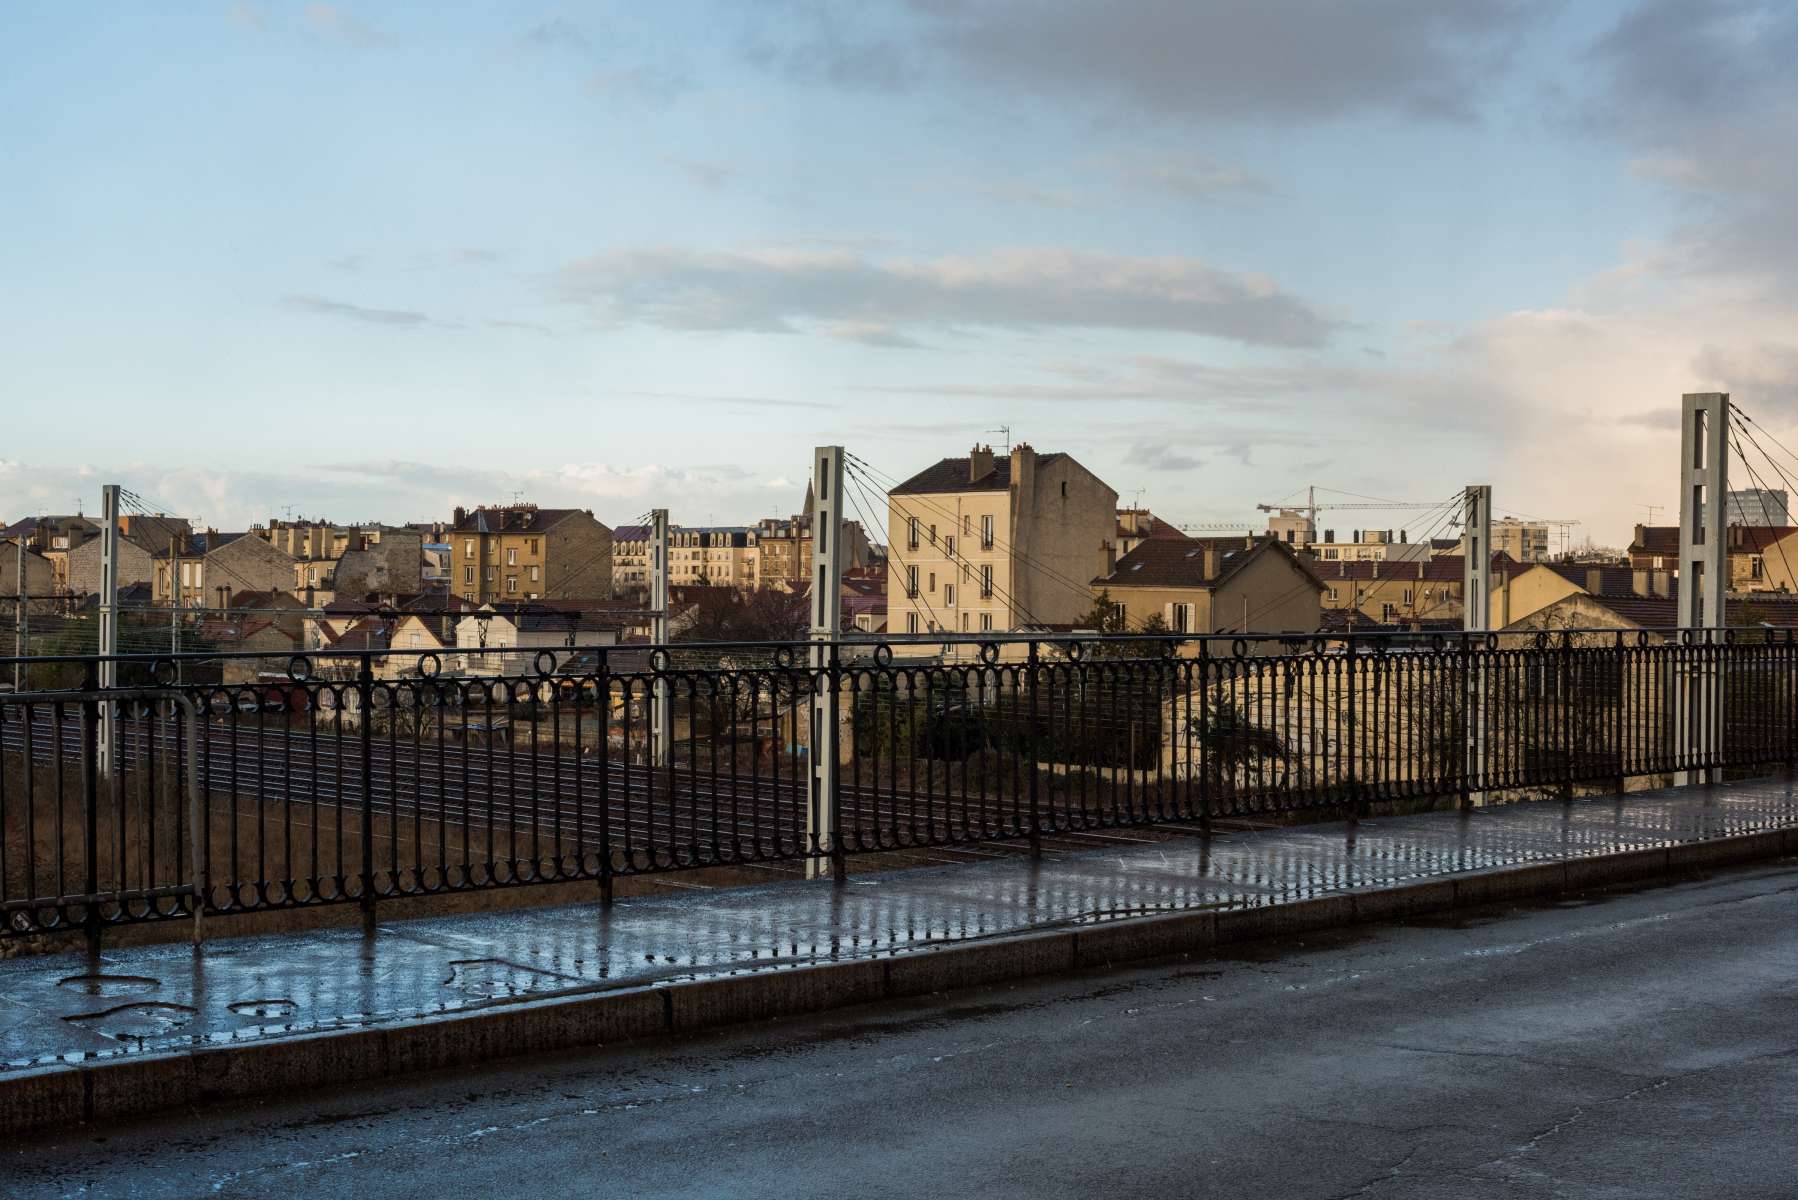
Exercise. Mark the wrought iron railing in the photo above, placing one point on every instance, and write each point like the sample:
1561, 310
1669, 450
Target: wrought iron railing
356, 777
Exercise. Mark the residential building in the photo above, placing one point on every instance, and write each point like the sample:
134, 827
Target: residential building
1135, 525
1192, 585
53, 537
1753, 554
1757, 506
40, 575
997, 542
712, 556
520, 552
136, 558
354, 561
1369, 545
1524, 541
505, 639
1532, 587
630, 560
1401, 592
203, 571
1292, 526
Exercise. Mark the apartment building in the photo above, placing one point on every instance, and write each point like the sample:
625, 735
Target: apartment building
205, 570
713, 556
1400, 592
1761, 557
996, 542
1215, 585
521, 552
1369, 545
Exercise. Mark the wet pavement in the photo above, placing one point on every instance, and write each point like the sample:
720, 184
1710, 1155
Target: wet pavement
169, 996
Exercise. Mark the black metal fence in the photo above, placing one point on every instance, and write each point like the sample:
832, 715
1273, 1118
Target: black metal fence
337, 778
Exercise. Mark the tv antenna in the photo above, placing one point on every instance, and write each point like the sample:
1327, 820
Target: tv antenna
1004, 430
1651, 509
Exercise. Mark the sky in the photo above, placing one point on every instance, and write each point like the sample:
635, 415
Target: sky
370, 261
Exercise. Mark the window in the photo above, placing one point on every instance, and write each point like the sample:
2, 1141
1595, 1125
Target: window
911, 582
467, 574
948, 595
468, 596
986, 622
986, 532
964, 622
1064, 489
511, 556
911, 622
986, 581
1180, 618
933, 535
533, 545
932, 582
949, 545
1407, 595
512, 585
1388, 611
534, 573
1330, 595
467, 547
967, 523
490, 573
1330, 552
911, 536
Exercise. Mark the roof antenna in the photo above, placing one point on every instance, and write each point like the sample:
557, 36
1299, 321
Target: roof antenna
1006, 431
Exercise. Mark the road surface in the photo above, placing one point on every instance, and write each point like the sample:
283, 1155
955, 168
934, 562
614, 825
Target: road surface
1641, 1044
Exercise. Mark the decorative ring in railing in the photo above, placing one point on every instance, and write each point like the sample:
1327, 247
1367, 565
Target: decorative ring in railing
783, 657
658, 660
544, 663
1685, 637
1492, 641
1320, 646
1438, 643
1239, 648
299, 668
883, 655
1729, 637
1076, 651
219, 702
429, 665
163, 672
989, 652
1641, 637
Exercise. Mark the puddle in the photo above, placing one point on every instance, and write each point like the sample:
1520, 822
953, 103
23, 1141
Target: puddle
264, 1008
109, 985
135, 1022
486, 978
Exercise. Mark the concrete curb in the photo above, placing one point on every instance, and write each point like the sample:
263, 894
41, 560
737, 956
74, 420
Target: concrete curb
68, 1094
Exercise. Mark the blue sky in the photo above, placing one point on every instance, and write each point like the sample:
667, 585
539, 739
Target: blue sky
375, 260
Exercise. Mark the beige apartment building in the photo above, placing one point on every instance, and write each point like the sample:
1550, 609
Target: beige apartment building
997, 542
521, 552
1215, 585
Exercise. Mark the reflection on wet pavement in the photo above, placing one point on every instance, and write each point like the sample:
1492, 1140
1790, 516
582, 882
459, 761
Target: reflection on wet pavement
63, 1008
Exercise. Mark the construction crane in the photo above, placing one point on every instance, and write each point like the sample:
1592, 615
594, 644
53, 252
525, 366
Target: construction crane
1311, 507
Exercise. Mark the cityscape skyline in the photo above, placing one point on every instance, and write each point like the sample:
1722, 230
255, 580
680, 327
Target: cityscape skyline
436, 255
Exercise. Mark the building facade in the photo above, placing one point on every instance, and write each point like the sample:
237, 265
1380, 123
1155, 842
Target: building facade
521, 552
997, 542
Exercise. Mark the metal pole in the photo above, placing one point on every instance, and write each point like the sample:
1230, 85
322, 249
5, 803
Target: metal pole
827, 627
1703, 578
1476, 613
109, 617
18, 640
661, 725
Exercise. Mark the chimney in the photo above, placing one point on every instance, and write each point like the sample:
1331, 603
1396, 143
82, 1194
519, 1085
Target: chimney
1638, 582
461, 514
1023, 471
1595, 581
980, 463
1663, 584
1111, 556
1641, 535
1420, 568
1210, 562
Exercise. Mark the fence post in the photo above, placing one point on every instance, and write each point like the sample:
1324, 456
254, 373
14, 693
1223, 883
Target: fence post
1030, 747
1352, 778
92, 767
365, 693
1569, 695
604, 708
1618, 700
839, 867
1196, 745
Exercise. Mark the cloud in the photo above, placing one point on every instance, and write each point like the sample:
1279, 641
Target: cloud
339, 24
555, 33
356, 312
523, 326
1042, 197
872, 334
733, 401
1279, 60
1764, 373
650, 85
1159, 456
1189, 176
248, 16
708, 175
784, 290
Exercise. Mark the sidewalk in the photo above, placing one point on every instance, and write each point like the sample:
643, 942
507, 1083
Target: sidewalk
167, 1001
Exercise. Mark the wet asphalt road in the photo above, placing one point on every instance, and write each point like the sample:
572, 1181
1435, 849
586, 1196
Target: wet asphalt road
1642, 1044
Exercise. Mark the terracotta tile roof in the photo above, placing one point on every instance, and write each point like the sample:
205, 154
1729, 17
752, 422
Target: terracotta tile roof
951, 475
1167, 563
